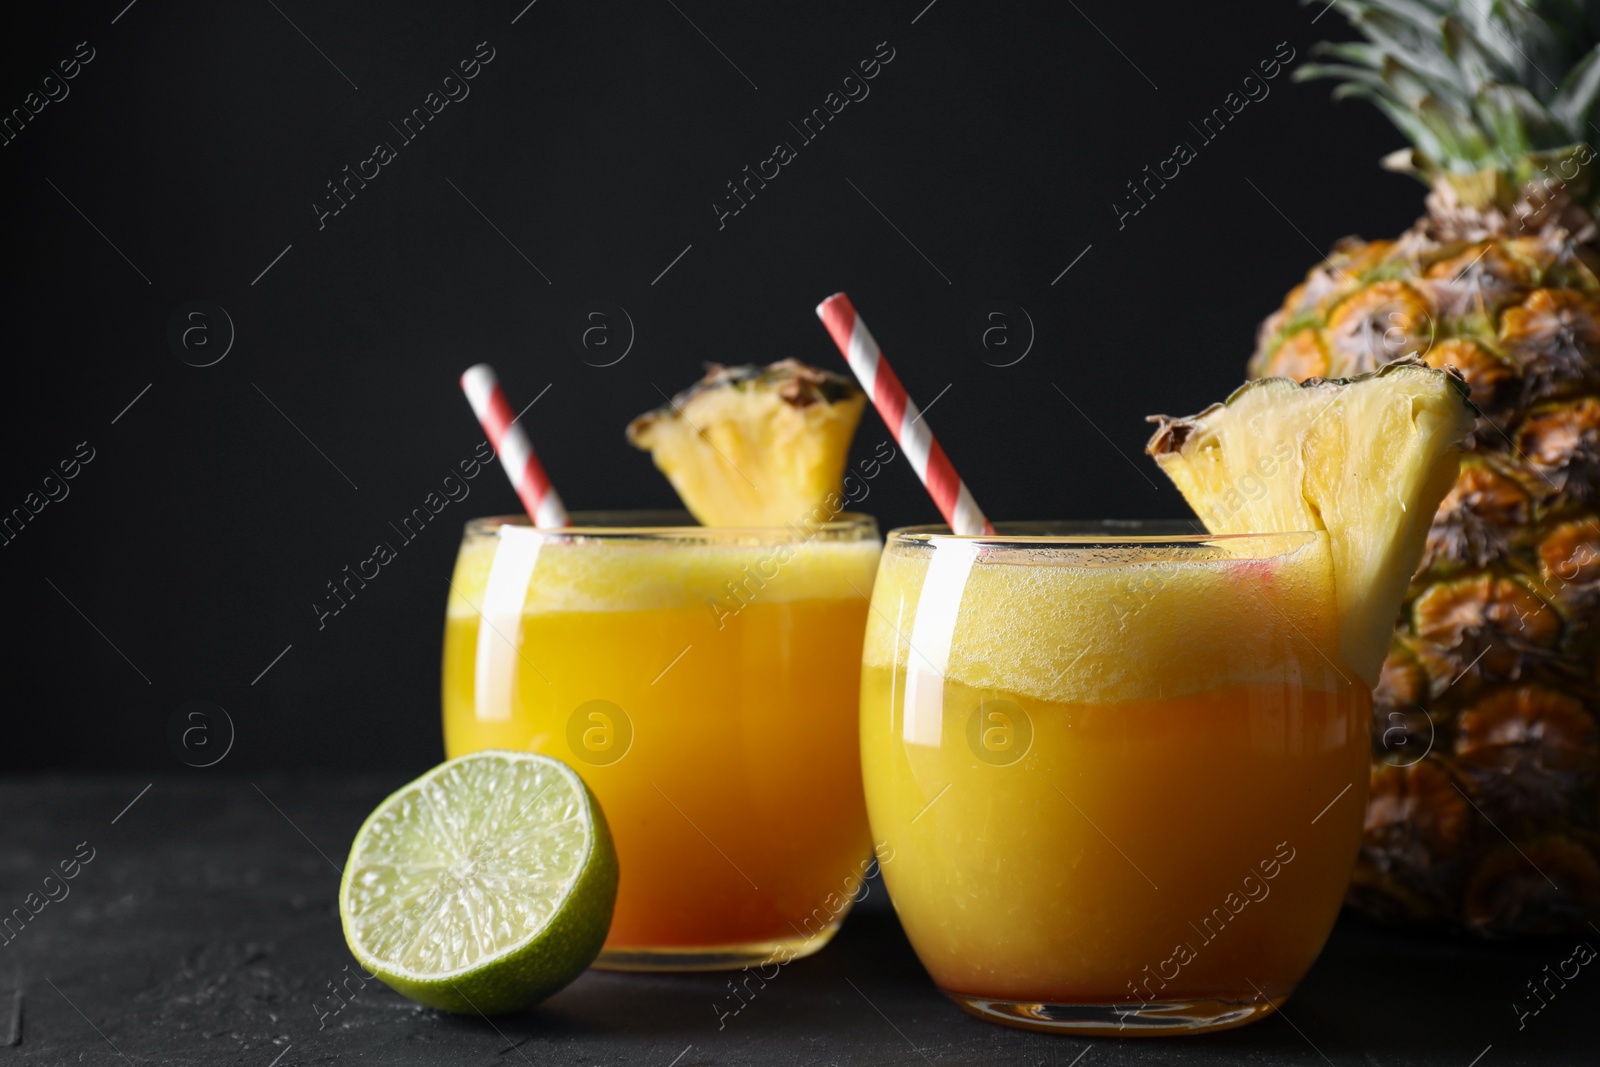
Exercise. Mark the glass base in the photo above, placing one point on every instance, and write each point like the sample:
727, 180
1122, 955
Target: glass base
1136, 1019
714, 957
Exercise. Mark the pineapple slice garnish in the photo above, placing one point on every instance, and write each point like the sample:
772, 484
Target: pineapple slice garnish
1368, 459
755, 446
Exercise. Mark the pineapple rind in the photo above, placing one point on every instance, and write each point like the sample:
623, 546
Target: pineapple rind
1515, 307
1507, 260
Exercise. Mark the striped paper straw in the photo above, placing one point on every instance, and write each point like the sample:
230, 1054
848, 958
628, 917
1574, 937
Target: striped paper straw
511, 443
902, 416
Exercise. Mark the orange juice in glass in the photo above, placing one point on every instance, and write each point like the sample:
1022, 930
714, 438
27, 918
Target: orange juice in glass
704, 682
1121, 773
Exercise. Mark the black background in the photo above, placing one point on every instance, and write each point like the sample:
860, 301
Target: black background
190, 550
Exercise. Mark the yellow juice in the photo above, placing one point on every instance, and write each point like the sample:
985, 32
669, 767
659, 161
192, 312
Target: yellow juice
1122, 786
705, 687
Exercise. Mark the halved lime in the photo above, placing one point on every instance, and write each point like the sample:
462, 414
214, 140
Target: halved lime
482, 887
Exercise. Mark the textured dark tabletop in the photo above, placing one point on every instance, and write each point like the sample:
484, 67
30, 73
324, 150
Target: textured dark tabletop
205, 930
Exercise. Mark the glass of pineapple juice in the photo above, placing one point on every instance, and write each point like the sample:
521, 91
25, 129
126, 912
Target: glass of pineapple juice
1121, 771
704, 683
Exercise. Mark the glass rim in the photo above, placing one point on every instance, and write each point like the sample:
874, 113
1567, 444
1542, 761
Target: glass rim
1089, 533
671, 525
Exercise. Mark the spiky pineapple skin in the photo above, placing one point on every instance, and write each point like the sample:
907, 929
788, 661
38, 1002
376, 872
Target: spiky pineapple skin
1483, 810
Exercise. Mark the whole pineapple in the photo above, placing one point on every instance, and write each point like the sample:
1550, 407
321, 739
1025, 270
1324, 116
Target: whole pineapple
1484, 809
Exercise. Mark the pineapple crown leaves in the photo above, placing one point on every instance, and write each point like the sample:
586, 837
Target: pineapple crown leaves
1504, 85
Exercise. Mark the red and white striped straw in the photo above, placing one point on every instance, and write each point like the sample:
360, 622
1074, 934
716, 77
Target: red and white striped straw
902, 416
511, 443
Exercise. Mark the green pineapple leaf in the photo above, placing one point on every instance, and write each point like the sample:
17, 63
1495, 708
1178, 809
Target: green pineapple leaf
1474, 85
1573, 105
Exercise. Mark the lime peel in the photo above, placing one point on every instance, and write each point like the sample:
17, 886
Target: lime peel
483, 886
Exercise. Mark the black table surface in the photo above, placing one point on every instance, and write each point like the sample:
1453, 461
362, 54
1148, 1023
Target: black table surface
205, 930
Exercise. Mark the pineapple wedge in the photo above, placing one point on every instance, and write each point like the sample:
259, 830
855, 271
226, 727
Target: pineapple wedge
755, 446
1368, 459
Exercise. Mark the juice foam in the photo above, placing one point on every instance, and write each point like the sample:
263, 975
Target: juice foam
1136, 622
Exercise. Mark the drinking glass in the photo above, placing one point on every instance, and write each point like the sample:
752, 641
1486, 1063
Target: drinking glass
704, 682
1120, 769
